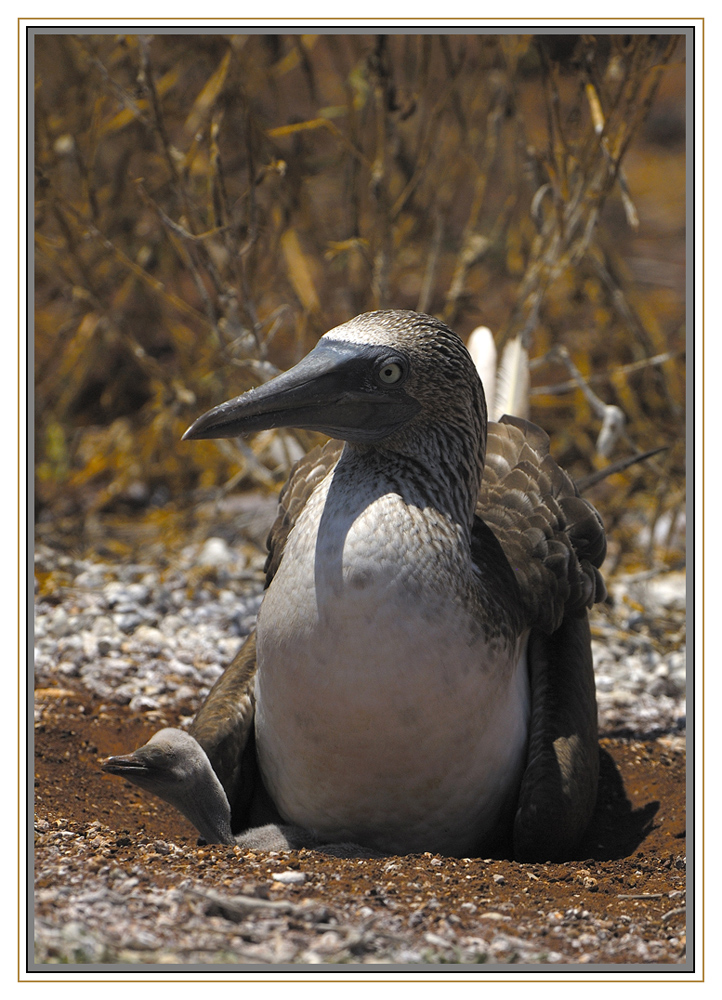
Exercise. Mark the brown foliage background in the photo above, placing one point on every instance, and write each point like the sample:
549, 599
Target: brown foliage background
208, 205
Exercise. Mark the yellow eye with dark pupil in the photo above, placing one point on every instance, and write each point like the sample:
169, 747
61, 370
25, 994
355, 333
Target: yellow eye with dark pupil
390, 373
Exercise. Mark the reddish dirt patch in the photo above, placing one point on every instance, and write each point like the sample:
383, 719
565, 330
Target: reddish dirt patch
631, 861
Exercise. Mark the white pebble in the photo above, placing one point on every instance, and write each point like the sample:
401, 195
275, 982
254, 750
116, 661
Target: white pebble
215, 552
290, 877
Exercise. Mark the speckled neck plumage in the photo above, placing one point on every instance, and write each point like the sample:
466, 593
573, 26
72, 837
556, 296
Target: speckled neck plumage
441, 452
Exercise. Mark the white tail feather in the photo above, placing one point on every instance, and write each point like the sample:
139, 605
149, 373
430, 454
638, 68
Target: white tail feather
483, 353
512, 383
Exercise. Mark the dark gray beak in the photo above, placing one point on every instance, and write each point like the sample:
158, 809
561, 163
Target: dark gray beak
335, 390
125, 765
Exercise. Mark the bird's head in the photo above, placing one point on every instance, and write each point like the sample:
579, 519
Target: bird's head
379, 379
171, 759
174, 766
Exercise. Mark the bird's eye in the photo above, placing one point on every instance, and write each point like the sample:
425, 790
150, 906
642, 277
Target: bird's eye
390, 373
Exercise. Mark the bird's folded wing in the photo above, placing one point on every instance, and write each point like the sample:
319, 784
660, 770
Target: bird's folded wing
552, 538
224, 723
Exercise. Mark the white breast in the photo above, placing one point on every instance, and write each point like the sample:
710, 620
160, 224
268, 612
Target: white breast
383, 715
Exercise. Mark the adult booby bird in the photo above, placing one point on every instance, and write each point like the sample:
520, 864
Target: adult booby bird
420, 678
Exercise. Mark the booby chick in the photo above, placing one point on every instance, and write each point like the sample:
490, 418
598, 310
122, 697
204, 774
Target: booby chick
421, 677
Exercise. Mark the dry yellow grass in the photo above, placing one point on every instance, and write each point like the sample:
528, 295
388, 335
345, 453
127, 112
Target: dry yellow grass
207, 206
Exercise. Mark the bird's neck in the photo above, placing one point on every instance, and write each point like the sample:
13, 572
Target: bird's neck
205, 804
442, 466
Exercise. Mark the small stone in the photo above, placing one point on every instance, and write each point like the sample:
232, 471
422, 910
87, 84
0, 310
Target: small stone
290, 877
58, 624
436, 941
215, 552
68, 668
142, 703
150, 636
103, 625
128, 622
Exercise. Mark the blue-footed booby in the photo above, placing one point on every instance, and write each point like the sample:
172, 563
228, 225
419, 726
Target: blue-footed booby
420, 678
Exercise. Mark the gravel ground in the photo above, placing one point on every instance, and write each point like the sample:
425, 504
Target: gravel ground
133, 636
123, 649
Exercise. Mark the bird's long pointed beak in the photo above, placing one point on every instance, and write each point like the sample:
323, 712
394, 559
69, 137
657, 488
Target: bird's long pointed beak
123, 765
331, 390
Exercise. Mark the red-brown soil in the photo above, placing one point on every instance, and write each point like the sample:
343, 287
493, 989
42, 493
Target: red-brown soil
626, 886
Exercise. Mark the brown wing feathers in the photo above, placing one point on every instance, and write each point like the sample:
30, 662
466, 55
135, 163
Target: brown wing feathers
224, 724
553, 539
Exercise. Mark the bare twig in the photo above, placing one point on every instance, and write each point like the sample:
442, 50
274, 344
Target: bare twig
562, 387
431, 264
586, 482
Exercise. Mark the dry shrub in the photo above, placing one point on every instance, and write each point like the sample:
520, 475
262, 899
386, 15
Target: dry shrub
208, 205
